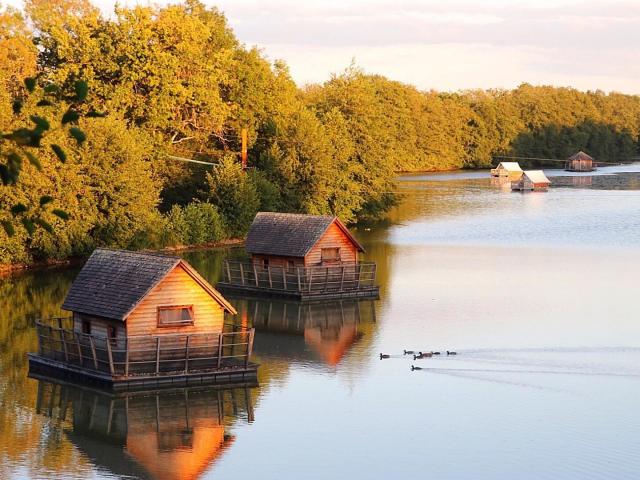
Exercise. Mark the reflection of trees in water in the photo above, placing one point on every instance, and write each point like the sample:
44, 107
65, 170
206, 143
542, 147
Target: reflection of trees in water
163, 435
618, 181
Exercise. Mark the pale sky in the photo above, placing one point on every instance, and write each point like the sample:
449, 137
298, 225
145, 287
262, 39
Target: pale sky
446, 44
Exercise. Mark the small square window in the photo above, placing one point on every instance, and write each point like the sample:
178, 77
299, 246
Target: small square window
175, 316
330, 255
265, 263
86, 327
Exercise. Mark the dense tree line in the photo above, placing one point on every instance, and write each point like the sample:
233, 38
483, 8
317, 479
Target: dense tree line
175, 81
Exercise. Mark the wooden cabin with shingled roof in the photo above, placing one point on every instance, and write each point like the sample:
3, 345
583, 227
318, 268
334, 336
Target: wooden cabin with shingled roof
580, 162
531, 180
303, 257
144, 319
511, 170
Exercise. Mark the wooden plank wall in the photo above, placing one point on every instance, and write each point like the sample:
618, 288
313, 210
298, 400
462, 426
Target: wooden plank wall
277, 261
333, 237
178, 288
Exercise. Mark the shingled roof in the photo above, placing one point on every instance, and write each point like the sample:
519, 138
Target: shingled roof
580, 156
290, 234
113, 282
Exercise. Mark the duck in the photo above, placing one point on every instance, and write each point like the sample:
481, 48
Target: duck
384, 355
413, 367
435, 353
451, 353
426, 354
409, 352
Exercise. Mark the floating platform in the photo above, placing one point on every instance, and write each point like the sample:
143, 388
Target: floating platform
356, 280
146, 361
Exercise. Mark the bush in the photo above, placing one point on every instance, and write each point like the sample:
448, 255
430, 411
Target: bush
194, 224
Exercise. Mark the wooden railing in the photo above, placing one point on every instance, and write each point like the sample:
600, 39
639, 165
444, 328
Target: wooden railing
144, 355
310, 280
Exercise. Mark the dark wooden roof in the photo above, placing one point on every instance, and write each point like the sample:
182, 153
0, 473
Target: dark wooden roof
113, 282
580, 156
290, 234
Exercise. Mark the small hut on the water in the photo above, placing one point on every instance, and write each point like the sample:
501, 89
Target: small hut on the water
580, 162
532, 180
507, 169
142, 318
301, 256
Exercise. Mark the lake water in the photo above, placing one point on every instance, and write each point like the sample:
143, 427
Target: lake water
536, 292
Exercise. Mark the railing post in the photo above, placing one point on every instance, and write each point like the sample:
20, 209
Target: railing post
310, 273
93, 352
284, 278
226, 262
157, 355
126, 357
342, 280
220, 339
299, 282
110, 354
358, 273
241, 273
255, 275
186, 355
269, 272
249, 347
63, 340
79, 349
326, 279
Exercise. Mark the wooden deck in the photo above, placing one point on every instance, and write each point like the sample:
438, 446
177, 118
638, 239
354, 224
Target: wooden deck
347, 280
143, 361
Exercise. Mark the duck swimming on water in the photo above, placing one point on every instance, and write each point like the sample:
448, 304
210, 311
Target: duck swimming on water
384, 355
409, 352
415, 368
451, 353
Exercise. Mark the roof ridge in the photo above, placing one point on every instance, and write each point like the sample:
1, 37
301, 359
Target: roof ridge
138, 252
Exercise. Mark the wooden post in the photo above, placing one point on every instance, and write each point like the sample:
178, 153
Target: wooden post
310, 270
186, 355
269, 272
342, 280
326, 279
157, 355
63, 340
220, 337
110, 354
284, 278
226, 262
79, 350
244, 135
241, 273
126, 357
299, 282
249, 347
358, 273
93, 352
255, 274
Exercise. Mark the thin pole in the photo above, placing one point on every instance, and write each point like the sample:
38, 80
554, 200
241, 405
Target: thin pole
244, 148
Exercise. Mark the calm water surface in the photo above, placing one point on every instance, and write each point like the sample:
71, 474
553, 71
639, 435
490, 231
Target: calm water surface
536, 292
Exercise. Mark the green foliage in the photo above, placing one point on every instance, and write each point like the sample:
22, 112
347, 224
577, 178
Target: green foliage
236, 197
195, 224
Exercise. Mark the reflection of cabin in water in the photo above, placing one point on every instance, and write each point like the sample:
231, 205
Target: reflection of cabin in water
308, 330
532, 180
176, 434
303, 257
140, 319
511, 170
580, 162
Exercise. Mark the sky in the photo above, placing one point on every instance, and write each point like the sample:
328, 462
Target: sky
446, 44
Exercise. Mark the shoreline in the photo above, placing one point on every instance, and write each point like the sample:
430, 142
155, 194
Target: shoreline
8, 270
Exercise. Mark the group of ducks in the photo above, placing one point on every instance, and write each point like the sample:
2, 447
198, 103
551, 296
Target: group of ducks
419, 355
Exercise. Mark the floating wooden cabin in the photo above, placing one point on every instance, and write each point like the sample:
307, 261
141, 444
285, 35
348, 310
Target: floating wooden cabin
302, 257
144, 319
174, 434
511, 170
580, 162
531, 180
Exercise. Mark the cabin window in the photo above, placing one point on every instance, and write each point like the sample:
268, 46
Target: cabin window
265, 263
175, 316
112, 333
86, 327
291, 265
330, 255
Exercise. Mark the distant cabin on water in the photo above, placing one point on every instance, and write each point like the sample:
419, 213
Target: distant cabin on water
301, 256
580, 162
507, 169
531, 180
141, 316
